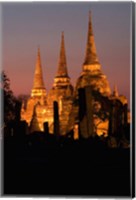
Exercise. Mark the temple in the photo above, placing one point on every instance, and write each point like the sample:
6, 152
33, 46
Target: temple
62, 90
86, 110
91, 70
34, 111
38, 90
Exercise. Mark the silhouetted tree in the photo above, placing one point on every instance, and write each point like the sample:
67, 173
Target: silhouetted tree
8, 99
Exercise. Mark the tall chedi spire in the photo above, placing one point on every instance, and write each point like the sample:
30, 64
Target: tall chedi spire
38, 84
115, 91
91, 62
62, 90
62, 66
31, 113
91, 74
62, 77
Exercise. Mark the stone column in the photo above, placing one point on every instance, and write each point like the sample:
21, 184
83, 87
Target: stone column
89, 110
56, 118
85, 112
76, 132
46, 128
83, 129
112, 119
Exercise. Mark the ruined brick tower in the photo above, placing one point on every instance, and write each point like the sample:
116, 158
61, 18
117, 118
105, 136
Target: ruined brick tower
38, 90
91, 70
61, 87
62, 90
87, 110
39, 107
91, 78
36, 106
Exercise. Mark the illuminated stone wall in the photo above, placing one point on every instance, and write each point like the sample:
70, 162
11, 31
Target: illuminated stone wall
99, 117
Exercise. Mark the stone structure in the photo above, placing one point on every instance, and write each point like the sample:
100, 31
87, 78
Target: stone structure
88, 110
56, 118
85, 112
91, 76
119, 112
62, 90
39, 107
38, 92
62, 86
35, 112
91, 71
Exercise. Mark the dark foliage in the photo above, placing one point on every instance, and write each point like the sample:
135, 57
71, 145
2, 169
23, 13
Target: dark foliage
8, 99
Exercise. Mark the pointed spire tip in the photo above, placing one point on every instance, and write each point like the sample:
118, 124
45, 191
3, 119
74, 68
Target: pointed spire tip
90, 14
62, 69
115, 90
38, 50
62, 33
91, 55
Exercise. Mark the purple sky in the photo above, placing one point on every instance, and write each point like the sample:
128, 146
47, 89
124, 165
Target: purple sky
27, 25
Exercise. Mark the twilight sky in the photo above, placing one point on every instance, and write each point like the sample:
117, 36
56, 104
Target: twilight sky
27, 25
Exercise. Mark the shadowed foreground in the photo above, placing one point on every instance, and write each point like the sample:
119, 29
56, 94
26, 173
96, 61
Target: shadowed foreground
37, 165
